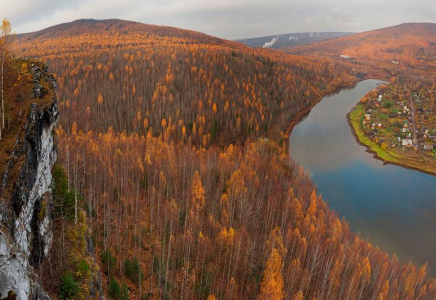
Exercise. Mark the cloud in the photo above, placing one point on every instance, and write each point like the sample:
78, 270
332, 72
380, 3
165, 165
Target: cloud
225, 18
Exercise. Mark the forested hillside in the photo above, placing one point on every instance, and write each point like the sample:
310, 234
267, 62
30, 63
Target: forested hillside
237, 223
405, 44
406, 55
170, 141
136, 80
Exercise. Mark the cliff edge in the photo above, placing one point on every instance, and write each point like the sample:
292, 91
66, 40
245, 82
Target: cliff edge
25, 188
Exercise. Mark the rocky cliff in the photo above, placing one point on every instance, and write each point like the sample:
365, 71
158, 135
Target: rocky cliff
25, 193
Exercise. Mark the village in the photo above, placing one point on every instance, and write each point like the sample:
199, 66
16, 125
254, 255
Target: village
400, 121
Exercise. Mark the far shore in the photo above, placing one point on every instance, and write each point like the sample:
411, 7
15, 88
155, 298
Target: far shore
385, 156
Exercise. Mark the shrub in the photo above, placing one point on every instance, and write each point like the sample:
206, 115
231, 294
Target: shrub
83, 269
63, 198
114, 289
132, 270
387, 104
68, 289
125, 293
109, 261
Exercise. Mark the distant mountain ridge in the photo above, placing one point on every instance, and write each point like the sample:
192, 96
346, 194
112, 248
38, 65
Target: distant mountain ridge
291, 39
408, 43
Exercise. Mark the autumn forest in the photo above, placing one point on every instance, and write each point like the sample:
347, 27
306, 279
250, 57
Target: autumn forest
174, 180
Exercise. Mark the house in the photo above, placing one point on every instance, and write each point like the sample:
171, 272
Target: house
367, 116
427, 147
379, 98
345, 56
407, 143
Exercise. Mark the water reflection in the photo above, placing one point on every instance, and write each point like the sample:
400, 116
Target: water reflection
393, 206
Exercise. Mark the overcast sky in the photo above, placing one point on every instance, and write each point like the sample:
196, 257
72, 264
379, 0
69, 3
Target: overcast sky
229, 19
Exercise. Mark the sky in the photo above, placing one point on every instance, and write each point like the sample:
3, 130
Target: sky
230, 19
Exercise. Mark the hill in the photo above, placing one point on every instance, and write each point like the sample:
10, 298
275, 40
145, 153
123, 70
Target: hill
290, 39
133, 81
91, 27
174, 158
409, 43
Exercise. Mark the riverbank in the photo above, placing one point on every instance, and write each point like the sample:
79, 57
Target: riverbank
354, 118
307, 110
358, 187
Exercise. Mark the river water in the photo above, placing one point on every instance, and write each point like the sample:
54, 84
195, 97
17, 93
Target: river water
394, 207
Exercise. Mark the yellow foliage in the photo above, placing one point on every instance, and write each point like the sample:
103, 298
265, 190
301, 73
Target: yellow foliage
272, 283
383, 294
298, 296
76, 92
236, 184
197, 192
312, 206
275, 241
226, 236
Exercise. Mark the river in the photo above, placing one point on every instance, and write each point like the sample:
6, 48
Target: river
394, 207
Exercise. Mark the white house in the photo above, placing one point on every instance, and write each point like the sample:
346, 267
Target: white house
407, 143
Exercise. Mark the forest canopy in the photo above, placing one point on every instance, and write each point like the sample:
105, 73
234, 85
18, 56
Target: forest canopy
172, 146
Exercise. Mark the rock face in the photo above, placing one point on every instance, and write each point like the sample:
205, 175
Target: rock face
25, 221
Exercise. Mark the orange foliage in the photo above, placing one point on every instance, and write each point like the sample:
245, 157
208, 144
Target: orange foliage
272, 284
204, 221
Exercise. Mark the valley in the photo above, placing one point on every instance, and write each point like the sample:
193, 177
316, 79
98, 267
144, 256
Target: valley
360, 188
177, 176
396, 122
